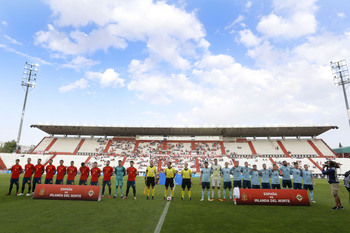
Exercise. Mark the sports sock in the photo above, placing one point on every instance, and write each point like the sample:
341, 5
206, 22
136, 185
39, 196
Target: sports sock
312, 195
208, 192
127, 191
147, 191
224, 193
134, 190
110, 190
34, 187
121, 190
202, 193
212, 193
10, 189
219, 193
103, 189
17, 187
183, 194
189, 193
153, 190
230, 192
172, 193
29, 188
165, 193
22, 189
116, 190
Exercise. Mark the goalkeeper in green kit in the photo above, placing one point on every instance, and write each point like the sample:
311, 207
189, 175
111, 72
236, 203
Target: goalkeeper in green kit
119, 176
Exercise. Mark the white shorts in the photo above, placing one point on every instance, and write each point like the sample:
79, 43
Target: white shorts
216, 182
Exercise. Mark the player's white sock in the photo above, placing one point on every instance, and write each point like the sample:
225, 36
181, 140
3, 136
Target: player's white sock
212, 193
224, 193
230, 192
311, 195
202, 193
219, 193
208, 192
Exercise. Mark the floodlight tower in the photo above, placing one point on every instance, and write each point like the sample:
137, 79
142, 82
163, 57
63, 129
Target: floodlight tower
341, 77
28, 81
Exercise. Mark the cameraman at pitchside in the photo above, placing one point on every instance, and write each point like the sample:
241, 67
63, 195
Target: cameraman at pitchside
330, 169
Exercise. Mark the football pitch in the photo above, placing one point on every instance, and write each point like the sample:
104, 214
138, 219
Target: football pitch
23, 214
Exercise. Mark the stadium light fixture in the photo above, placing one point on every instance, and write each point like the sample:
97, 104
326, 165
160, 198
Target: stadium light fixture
341, 78
30, 73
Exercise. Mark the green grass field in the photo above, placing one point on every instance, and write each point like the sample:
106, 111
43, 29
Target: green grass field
23, 214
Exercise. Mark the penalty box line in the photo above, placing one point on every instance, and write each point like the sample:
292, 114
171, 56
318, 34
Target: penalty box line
162, 217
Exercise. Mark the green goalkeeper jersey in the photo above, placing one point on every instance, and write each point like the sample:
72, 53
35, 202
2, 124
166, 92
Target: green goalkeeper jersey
119, 172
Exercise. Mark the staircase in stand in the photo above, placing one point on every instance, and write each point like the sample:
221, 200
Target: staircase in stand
197, 165
283, 149
79, 146
52, 157
314, 163
107, 146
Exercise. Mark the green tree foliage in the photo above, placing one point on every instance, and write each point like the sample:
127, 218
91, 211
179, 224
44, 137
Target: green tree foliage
9, 147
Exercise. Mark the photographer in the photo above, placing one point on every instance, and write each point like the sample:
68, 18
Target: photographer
329, 169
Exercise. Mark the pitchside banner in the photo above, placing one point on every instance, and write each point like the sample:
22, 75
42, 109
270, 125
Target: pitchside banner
67, 192
273, 197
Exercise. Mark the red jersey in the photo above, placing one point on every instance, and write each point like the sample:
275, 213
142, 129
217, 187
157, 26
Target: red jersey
84, 172
39, 170
29, 170
131, 173
50, 171
107, 173
16, 170
61, 171
72, 172
95, 174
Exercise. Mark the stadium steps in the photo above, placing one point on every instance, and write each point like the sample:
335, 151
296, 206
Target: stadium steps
164, 146
272, 161
52, 157
38, 145
78, 146
51, 144
329, 148
223, 151
251, 146
159, 165
193, 146
136, 146
315, 148
283, 149
124, 159
197, 165
107, 146
2, 165
87, 160
314, 163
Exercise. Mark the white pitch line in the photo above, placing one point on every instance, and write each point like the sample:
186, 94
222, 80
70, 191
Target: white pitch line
162, 217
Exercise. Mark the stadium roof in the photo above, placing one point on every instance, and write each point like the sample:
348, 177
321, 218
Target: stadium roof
302, 131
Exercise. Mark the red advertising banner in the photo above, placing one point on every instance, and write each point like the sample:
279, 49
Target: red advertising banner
67, 192
273, 197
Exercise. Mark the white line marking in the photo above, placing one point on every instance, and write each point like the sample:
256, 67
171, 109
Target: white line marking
162, 217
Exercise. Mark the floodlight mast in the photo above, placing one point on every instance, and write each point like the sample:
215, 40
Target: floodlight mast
28, 81
341, 77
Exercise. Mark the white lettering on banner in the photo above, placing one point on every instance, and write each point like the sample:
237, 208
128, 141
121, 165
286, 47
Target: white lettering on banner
270, 194
66, 189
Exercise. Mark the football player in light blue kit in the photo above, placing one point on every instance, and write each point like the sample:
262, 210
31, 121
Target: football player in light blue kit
275, 177
237, 170
205, 180
246, 176
226, 172
265, 177
286, 170
296, 171
309, 181
255, 177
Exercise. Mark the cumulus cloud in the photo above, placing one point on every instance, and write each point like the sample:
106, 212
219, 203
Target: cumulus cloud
247, 38
107, 78
79, 84
79, 63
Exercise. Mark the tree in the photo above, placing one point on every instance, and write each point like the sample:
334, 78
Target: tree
9, 147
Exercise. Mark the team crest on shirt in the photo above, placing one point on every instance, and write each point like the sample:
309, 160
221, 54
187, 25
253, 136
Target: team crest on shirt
42, 192
244, 197
299, 197
91, 192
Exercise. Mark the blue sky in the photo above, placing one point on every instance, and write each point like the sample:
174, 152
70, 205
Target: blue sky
174, 63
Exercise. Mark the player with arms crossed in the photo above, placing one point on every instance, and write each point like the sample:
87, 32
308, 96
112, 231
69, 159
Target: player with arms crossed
61, 172
309, 181
275, 177
50, 171
72, 172
296, 171
119, 176
186, 181
150, 178
265, 177
205, 180
107, 173
226, 172
16, 171
237, 170
286, 170
169, 180
27, 179
38, 172
255, 173
132, 173
95, 174
246, 176
216, 179
84, 174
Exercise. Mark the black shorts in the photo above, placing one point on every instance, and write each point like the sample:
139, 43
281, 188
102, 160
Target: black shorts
82, 182
286, 183
308, 187
205, 185
275, 186
48, 181
150, 181
186, 183
297, 186
169, 181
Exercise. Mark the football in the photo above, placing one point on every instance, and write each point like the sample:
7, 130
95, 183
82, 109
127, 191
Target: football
168, 198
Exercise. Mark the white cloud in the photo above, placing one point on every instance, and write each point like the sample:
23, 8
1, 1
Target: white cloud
341, 15
12, 40
238, 20
79, 63
4, 23
247, 38
248, 4
79, 84
107, 78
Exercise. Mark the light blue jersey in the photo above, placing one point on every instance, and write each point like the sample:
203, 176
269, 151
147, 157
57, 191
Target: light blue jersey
246, 173
255, 177
307, 177
206, 173
226, 172
296, 175
275, 177
286, 172
265, 175
237, 173
119, 172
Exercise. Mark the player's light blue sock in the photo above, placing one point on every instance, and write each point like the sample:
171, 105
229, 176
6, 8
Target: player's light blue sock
116, 190
202, 193
311, 195
230, 191
224, 193
121, 190
208, 192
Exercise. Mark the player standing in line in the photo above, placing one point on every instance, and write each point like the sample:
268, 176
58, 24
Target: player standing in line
27, 179
50, 171
237, 170
107, 173
72, 172
205, 180
255, 173
286, 170
84, 174
226, 172
16, 171
246, 176
216, 179
265, 177
296, 171
275, 177
309, 181
150, 178
95, 174
132, 173
38, 172
119, 176
61, 172
169, 180
186, 181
